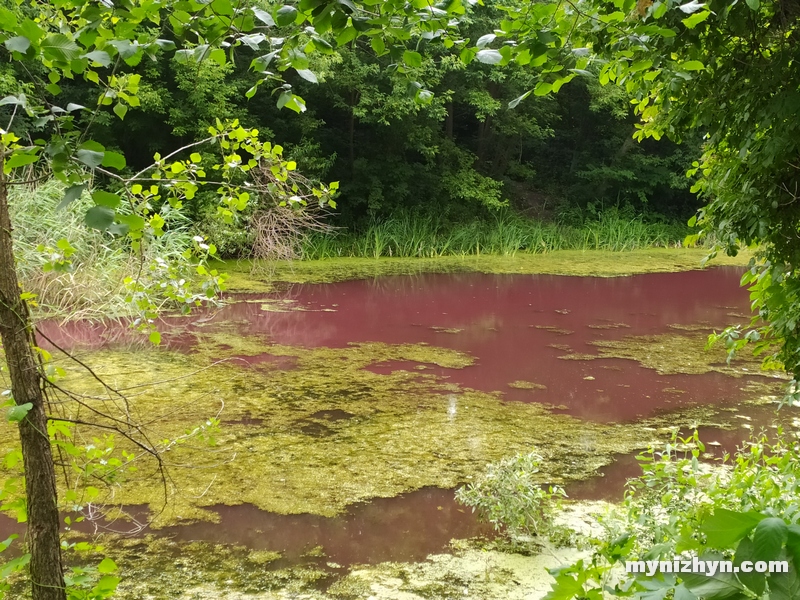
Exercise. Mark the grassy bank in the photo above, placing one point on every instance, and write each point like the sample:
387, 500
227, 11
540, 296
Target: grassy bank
412, 235
89, 282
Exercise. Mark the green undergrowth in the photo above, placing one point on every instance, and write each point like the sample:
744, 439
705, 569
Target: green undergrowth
250, 276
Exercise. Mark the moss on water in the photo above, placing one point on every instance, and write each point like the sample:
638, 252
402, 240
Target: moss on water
286, 449
527, 385
244, 277
673, 353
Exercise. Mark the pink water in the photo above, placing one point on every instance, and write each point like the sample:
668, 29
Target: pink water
509, 324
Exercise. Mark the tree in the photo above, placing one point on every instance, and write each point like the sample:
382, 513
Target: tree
52, 43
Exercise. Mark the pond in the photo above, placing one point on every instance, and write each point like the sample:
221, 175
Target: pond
350, 410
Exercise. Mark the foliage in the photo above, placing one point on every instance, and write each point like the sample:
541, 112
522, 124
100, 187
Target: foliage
683, 508
509, 495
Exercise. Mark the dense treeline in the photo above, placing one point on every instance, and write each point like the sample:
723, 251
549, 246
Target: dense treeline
459, 157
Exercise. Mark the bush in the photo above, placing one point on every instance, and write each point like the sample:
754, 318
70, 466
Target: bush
744, 508
511, 496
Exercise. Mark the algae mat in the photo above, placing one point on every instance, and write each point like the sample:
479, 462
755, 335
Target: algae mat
326, 433
246, 275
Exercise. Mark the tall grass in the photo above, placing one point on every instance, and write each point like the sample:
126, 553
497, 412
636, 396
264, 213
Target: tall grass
93, 286
413, 235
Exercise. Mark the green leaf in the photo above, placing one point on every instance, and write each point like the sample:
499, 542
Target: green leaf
19, 159
59, 47
348, 34
744, 552
71, 194
307, 75
515, 102
18, 412
125, 48
133, 222
696, 19
218, 56
106, 585
99, 56
768, 539
542, 88
107, 566
286, 15
692, 65
264, 17
113, 160
102, 198
724, 528
682, 593
155, 338
99, 217
753, 4
718, 587
412, 59
489, 57
91, 158
18, 44
120, 110
784, 586
378, 45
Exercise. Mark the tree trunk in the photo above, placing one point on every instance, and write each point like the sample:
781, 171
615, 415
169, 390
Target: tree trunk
47, 574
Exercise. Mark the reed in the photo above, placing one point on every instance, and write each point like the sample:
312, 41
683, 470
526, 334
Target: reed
412, 235
93, 287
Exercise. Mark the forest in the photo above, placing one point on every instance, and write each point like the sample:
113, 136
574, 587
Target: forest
344, 299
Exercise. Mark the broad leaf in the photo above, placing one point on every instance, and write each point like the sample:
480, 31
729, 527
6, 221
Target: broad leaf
724, 528
99, 56
18, 412
768, 539
18, 44
489, 57
102, 198
307, 75
264, 17
71, 194
113, 160
59, 47
412, 59
99, 217
285, 15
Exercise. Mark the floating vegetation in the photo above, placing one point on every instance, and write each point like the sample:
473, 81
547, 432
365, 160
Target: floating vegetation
447, 329
374, 435
596, 263
527, 385
554, 329
670, 353
562, 347
608, 326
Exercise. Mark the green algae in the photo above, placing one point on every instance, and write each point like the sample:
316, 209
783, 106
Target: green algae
527, 385
447, 329
245, 278
608, 326
554, 329
673, 353
330, 432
